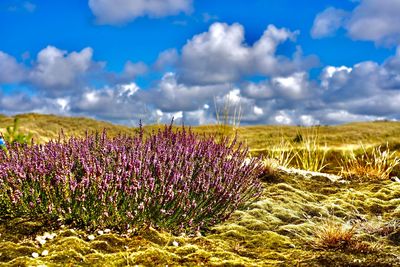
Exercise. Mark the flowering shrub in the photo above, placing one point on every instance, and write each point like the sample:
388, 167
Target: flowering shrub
173, 180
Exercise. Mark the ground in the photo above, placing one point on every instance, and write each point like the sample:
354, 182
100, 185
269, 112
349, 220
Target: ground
276, 230
284, 227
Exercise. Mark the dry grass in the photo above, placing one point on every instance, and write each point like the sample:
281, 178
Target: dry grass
335, 236
377, 163
331, 235
311, 154
280, 154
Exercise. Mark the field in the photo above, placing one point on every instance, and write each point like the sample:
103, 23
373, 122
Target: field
298, 220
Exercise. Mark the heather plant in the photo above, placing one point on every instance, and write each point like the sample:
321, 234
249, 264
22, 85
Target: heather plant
173, 180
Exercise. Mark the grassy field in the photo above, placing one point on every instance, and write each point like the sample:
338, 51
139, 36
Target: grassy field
258, 138
298, 221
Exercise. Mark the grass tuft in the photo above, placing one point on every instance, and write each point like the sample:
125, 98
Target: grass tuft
377, 163
311, 155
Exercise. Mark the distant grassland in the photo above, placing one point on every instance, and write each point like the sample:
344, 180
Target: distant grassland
258, 138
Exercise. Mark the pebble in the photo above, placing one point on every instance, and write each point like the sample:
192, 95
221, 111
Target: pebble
35, 255
45, 252
100, 232
175, 244
107, 231
91, 237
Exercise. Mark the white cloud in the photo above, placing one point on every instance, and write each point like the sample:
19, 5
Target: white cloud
57, 69
376, 20
294, 86
258, 111
364, 91
10, 70
371, 20
171, 95
166, 59
131, 70
338, 75
122, 11
221, 55
283, 118
328, 22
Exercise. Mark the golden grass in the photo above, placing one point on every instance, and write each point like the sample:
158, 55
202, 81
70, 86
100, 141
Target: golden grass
376, 163
280, 154
331, 235
311, 154
259, 138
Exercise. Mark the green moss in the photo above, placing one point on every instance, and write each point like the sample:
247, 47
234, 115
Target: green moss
276, 230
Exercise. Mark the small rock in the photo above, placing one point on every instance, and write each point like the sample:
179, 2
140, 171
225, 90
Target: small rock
35, 255
107, 231
45, 252
175, 244
91, 237
292, 245
100, 232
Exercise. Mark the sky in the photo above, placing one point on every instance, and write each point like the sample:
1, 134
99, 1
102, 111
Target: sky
277, 61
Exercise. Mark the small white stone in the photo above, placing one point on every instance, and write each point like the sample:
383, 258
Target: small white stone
129, 231
91, 237
175, 244
107, 231
45, 252
35, 255
38, 238
42, 242
100, 232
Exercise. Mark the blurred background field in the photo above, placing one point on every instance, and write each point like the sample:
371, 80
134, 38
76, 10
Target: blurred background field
258, 138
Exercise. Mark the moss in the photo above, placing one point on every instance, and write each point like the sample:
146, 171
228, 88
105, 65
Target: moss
10, 251
154, 257
275, 230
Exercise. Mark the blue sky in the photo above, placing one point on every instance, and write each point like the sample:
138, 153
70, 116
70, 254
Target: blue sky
282, 62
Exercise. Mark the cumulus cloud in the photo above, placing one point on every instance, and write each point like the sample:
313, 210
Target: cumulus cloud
328, 22
171, 95
284, 93
221, 55
122, 11
166, 59
371, 20
57, 69
10, 70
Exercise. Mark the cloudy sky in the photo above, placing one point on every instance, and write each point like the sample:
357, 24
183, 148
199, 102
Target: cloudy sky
281, 61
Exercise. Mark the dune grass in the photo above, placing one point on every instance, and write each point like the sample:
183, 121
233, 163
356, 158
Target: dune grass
375, 163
